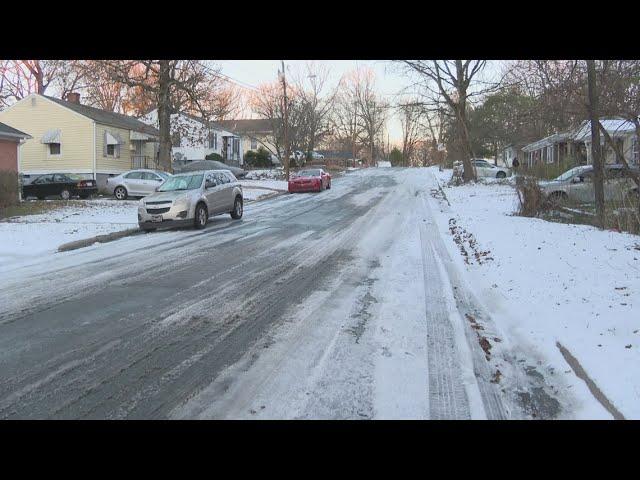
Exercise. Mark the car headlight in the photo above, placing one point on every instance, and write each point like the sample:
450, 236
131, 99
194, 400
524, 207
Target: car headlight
182, 203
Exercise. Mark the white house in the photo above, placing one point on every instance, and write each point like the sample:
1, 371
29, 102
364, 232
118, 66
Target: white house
622, 132
193, 138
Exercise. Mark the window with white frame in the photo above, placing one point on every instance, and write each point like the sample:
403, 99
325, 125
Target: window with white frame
54, 149
111, 150
213, 140
254, 144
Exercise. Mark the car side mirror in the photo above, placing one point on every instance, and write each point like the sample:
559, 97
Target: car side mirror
157, 188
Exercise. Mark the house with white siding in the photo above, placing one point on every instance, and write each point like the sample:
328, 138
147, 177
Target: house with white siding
576, 144
194, 138
68, 137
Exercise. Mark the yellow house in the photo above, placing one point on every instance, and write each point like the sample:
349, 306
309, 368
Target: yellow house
69, 137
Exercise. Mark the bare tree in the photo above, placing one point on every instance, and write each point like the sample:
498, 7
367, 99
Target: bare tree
316, 102
173, 85
411, 115
371, 112
455, 82
20, 78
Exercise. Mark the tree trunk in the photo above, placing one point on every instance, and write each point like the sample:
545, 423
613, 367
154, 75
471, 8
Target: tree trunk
164, 116
469, 172
596, 157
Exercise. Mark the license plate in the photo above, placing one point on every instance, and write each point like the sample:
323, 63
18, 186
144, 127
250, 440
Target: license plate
156, 218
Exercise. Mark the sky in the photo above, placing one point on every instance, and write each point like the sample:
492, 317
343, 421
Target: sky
389, 81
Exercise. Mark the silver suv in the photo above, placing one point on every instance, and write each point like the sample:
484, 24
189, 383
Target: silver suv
576, 185
190, 199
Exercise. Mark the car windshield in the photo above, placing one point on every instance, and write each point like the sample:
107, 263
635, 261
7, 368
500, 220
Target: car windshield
309, 173
569, 173
182, 182
73, 176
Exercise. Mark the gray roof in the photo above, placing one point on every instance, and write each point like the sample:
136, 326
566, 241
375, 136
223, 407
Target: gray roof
108, 118
550, 140
7, 131
248, 125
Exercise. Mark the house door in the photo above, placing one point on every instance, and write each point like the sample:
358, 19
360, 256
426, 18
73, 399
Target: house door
138, 158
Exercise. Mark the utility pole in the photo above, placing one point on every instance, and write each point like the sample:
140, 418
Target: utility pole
355, 128
286, 124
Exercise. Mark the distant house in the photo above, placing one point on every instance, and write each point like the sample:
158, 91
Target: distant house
193, 138
510, 152
622, 132
555, 148
69, 137
10, 141
576, 144
255, 132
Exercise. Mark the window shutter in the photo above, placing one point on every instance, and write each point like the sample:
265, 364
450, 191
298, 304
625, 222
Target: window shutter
104, 143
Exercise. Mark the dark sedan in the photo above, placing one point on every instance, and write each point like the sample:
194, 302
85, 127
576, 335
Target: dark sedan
62, 185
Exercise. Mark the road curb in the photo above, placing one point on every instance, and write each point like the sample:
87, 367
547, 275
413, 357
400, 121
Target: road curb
109, 237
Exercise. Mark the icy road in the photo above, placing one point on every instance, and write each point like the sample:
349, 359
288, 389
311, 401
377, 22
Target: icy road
339, 305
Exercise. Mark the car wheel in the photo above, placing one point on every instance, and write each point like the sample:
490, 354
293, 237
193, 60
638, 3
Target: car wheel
501, 175
149, 230
65, 195
41, 198
201, 217
236, 214
558, 198
120, 193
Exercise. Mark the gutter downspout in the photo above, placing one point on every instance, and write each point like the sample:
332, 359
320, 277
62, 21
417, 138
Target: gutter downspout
94, 153
20, 143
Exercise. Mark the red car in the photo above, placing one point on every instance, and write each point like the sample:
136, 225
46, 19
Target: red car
311, 180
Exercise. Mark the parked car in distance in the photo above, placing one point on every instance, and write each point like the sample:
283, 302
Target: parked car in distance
135, 183
486, 169
202, 165
576, 185
62, 185
190, 198
310, 180
316, 156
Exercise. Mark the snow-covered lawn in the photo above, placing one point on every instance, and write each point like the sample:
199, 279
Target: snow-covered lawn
259, 189
30, 236
549, 282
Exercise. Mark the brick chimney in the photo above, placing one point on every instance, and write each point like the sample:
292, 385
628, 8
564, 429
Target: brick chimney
73, 97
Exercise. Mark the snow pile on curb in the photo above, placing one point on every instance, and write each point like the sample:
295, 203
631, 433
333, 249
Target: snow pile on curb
265, 174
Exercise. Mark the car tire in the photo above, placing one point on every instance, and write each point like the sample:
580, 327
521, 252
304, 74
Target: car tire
41, 198
149, 230
65, 194
558, 198
201, 216
120, 193
238, 208
501, 175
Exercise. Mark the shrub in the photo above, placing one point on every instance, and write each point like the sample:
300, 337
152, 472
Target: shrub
214, 156
8, 188
549, 171
260, 158
532, 199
